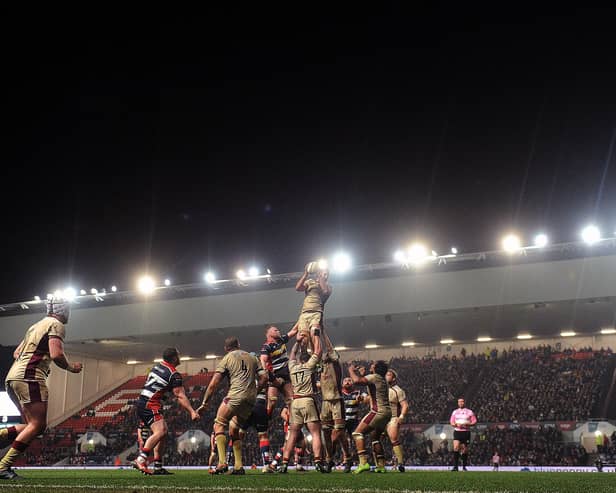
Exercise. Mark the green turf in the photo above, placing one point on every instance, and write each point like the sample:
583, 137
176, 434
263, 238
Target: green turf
131, 481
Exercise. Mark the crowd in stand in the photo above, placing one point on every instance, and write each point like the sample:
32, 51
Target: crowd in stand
511, 386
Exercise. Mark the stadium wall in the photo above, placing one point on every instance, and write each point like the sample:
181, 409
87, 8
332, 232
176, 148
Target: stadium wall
585, 278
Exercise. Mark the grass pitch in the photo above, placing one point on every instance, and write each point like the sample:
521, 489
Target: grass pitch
128, 481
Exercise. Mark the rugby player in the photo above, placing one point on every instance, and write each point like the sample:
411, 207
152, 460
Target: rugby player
259, 419
399, 408
303, 408
275, 360
26, 381
332, 406
352, 399
300, 445
243, 371
316, 291
461, 420
375, 422
162, 379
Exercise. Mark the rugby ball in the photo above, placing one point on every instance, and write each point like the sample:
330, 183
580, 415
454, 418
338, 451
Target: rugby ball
312, 267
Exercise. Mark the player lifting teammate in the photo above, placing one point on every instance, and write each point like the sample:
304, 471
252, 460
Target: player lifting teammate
246, 378
332, 407
163, 378
314, 284
303, 408
461, 420
376, 420
399, 408
26, 382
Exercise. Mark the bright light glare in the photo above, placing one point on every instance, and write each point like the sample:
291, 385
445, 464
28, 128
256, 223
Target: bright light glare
443, 436
511, 243
608, 331
417, 253
446, 341
371, 346
340, 348
114, 289
210, 356
145, 285
37, 298
167, 282
57, 293
193, 440
541, 240
82, 292
253, 271
69, 294
598, 433
132, 362
524, 336
341, 262
94, 291
408, 343
591, 234
400, 257
484, 339
49, 296
567, 333
186, 358
241, 274
210, 277
454, 250
322, 264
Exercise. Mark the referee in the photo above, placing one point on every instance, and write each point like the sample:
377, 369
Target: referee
461, 420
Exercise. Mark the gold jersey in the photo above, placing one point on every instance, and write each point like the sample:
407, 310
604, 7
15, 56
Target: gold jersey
379, 394
314, 299
331, 378
32, 364
301, 376
396, 396
242, 369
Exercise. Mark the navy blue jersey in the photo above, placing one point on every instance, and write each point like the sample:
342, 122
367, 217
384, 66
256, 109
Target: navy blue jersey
352, 401
162, 378
277, 353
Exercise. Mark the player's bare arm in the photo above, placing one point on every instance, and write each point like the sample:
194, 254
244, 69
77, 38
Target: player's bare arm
301, 282
355, 376
293, 332
180, 395
404, 409
56, 353
209, 391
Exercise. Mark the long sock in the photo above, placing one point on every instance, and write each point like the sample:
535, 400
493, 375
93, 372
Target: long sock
464, 460
264, 448
237, 452
221, 445
380, 461
143, 454
8, 434
363, 457
456, 458
277, 458
158, 463
11, 456
399, 454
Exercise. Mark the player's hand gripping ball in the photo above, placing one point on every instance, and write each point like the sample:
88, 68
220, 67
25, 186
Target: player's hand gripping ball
312, 267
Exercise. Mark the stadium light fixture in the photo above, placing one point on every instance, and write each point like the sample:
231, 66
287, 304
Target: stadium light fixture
341, 262
132, 362
158, 360
443, 436
82, 292
37, 298
371, 346
210, 277
484, 339
541, 240
608, 331
341, 348
193, 440
57, 293
591, 234
511, 243
598, 433
447, 341
210, 356
454, 250
400, 257
167, 282
408, 343
524, 337
567, 333
94, 291
186, 358
253, 271
114, 289
417, 253
241, 274
69, 294
146, 285
49, 296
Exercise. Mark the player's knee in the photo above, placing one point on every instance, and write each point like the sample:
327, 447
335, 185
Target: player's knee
357, 436
222, 421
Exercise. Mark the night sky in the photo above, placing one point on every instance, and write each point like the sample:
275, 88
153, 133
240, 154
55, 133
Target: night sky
177, 142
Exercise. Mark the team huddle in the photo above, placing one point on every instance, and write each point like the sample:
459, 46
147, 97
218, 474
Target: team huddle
255, 385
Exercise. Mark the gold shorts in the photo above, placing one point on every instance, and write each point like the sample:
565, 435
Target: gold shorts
27, 392
376, 421
240, 408
303, 410
307, 320
332, 411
